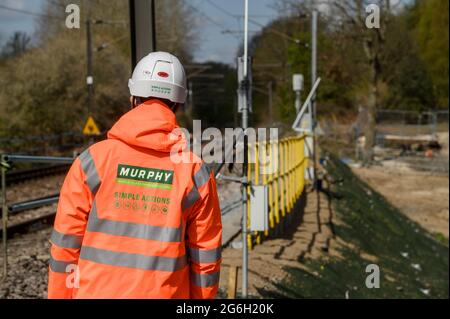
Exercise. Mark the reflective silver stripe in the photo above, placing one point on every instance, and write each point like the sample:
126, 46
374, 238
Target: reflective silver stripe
138, 261
66, 241
88, 166
190, 198
204, 255
60, 266
126, 229
202, 176
205, 280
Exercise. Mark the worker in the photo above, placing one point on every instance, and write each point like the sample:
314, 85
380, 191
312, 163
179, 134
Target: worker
131, 222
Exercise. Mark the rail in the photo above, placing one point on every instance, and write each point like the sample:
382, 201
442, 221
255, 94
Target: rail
37, 159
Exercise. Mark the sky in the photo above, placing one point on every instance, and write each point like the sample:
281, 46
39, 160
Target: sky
217, 43
220, 33
12, 21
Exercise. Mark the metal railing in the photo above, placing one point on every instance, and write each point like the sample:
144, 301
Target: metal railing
283, 172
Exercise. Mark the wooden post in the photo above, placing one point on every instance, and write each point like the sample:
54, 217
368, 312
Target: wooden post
232, 281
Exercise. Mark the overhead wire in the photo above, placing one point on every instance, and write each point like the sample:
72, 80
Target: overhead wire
107, 44
57, 3
270, 29
218, 24
225, 12
42, 15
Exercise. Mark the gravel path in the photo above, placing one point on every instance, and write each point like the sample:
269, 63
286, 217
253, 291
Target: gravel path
28, 254
302, 239
28, 266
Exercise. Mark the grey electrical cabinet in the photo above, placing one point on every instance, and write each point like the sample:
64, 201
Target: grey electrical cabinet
242, 91
259, 208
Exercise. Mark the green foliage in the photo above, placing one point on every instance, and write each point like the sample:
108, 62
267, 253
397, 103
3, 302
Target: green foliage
16, 45
43, 89
413, 61
410, 86
214, 100
285, 105
337, 65
430, 31
271, 64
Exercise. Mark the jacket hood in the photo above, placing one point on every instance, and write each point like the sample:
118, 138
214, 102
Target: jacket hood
150, 125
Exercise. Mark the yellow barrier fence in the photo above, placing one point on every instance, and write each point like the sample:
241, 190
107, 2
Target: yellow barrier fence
280, 165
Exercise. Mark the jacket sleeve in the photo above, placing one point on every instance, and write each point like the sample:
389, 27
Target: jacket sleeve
70, 223
204, 236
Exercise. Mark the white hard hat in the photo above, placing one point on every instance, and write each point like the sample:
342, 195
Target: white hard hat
159, 74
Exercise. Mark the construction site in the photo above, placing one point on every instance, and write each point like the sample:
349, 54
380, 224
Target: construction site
325, 125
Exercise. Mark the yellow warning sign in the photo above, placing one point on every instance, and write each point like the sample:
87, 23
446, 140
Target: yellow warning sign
91, 128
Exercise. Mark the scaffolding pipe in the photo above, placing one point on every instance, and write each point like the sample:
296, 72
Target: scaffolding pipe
37, 159
245, 164
35, 203
4, 220
313, 100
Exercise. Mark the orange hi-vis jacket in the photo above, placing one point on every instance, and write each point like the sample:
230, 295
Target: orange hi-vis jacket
133, 223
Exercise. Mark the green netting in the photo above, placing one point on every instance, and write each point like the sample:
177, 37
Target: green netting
377, 228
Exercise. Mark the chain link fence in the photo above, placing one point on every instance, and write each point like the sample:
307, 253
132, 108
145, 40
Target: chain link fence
404, 139
409, 123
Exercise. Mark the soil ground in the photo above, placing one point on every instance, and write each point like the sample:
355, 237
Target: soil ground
307, 234
420, 196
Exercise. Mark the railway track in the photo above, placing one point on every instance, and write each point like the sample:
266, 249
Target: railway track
31, 224
24, 175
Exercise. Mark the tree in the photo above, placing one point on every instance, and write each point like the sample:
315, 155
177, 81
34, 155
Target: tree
16, 45
372, 40
213, 95
277, 56
405, 74
429, 22
43, 91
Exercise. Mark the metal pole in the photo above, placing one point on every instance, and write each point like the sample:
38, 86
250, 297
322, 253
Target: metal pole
244, 167
4, 221
191, 98
89, 78
143, 29
435, 122
246, 39
313, 54
298, 102
38, 159
235, 112
269, 86
313, 80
